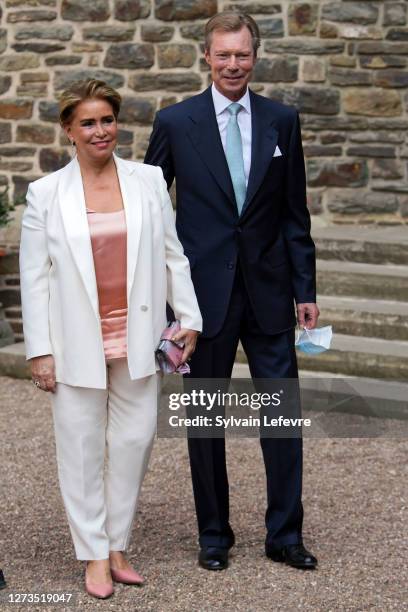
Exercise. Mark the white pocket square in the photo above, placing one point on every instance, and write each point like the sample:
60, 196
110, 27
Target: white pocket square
278, 152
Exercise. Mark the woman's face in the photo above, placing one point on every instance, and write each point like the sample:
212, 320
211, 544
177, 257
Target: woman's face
93, 128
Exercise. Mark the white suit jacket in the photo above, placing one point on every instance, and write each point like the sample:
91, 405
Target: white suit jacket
58, 284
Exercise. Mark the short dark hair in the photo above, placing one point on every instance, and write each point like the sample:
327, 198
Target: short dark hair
232, 21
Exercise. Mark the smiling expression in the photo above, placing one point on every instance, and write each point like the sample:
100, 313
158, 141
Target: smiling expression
94, 129
231, 58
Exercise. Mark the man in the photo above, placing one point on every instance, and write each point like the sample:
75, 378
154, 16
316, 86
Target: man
242, 219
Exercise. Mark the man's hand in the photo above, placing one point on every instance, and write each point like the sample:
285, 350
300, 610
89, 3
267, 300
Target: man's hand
189, 338
43, 372
307, 315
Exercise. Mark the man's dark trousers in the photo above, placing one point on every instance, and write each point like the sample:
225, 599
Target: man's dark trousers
268, 357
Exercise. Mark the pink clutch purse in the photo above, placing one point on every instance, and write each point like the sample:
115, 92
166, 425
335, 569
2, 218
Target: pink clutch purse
169, 353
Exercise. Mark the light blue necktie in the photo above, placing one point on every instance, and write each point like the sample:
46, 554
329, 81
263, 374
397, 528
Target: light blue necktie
234, 155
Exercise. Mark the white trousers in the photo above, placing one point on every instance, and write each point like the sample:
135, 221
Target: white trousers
104, 438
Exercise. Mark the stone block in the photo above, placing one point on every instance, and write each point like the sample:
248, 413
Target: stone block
401, 187
377, 62
125, 137
130, 55
352, 202
176, 55
271, 28
157, 33
305, 47
65, 78
359, 32
15, 109
171, 10
11, 63
397, 34
344, 124
194, 31
128, 10
21, 185
48, 111
391, 78
168, 81
35, 133
38, 47
353, 12
142, 142
371, 151
395, 13
302, 18
344, 61
279, 69
313, 70
34, 90
109, 33
63, 60
328, 30
78, 10
167, 101
321, 101
371, 47
3, 40
16, 151
5, 83
125, 152
53, 159
347, 77
16, 166
13, 3
45, 32
403, 203
372, 102
137, 111
5, 132
255, 8
86, 47
315, 150
349, 173
387, 169
331, 137
380, 136
34, 77
314, 202
30, 16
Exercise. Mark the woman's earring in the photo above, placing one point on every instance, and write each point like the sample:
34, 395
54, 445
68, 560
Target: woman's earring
73, 149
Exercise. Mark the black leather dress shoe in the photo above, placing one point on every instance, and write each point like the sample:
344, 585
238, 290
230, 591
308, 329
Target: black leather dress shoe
213, 558
294, 555
2, 581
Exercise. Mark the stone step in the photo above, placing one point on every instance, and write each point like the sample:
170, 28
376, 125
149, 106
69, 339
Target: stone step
13, 362
362, 317
357, 356
374, 281
374, 245
10, 296
366, 396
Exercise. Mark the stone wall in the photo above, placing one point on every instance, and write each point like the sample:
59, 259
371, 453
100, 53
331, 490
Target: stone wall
342, 64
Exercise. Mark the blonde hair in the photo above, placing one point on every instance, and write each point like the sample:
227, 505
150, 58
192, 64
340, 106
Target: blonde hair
87, 90
232, 21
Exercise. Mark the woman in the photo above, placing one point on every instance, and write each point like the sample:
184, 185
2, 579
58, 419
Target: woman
99, 257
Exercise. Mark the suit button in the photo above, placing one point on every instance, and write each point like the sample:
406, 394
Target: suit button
144, 308
230, 265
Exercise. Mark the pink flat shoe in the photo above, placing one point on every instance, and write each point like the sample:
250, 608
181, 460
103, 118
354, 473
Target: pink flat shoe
127, 576
100, 591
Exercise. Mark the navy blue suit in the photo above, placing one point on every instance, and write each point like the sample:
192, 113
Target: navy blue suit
247, 272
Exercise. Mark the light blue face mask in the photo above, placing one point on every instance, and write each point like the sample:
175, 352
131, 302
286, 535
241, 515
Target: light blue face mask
314, 341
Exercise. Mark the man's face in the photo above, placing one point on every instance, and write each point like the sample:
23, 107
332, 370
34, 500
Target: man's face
231, 58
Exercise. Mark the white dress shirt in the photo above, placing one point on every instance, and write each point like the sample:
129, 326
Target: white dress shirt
221, 104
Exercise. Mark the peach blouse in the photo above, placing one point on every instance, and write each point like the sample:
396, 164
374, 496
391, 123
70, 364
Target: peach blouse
109, 245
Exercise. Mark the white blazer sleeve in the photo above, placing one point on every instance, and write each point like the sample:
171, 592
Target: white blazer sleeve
180, 290
34, 278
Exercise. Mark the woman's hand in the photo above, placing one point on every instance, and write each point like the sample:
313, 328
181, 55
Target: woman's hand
43, 372
189, 339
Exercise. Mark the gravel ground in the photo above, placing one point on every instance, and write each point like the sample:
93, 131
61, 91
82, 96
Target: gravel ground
355, 522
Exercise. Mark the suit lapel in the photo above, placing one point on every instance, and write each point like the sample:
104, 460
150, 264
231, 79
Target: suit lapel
73, 209
132, 202
205, 137
264, 141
